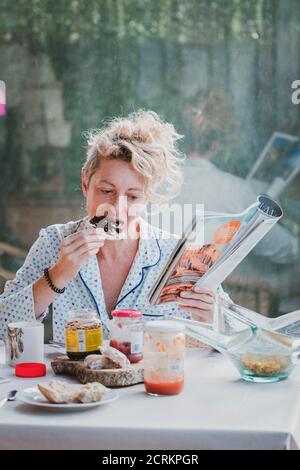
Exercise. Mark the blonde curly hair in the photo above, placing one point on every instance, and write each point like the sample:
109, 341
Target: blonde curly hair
146, 142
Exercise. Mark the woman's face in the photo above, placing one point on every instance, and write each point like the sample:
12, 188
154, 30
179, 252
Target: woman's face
116, 188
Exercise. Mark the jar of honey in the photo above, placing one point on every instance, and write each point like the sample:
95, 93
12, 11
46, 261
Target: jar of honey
83, 334
127, 333
164, 355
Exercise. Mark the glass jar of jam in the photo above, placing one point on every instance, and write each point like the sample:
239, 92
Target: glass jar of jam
164, 355
83, 334
126, 333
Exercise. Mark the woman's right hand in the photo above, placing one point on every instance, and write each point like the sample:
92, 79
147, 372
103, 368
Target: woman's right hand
75, 250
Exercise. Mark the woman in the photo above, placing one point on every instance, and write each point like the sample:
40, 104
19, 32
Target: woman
126, 163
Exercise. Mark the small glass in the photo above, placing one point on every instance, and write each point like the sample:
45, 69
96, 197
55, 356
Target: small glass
164, 356
127, 333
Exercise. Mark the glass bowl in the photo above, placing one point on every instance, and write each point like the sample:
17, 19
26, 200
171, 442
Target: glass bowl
264, 359
259, 355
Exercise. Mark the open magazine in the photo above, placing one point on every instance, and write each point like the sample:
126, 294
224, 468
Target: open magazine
212, 246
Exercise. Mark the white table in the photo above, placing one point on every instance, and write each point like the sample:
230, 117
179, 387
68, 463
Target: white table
217, 410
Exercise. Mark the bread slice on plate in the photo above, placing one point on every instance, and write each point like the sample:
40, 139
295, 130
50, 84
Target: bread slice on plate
92, 392
56, 391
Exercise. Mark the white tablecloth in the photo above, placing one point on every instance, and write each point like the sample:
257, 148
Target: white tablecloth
217, 410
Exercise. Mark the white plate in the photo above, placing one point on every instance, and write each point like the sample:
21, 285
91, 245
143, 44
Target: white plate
32, 396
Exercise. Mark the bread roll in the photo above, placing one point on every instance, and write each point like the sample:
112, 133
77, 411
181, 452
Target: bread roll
61, 392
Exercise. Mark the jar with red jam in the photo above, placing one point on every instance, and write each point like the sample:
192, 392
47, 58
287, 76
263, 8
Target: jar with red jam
164, 355
127, 333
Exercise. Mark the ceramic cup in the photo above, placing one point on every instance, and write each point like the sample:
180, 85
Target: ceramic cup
24, 342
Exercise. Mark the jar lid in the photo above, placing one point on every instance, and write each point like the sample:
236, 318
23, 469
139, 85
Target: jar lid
82, 316
30, 369
85, 313
126, 313
165, 326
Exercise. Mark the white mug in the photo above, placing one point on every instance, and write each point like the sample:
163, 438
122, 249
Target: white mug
24, 342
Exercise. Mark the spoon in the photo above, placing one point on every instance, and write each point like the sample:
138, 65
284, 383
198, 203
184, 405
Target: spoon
10, 397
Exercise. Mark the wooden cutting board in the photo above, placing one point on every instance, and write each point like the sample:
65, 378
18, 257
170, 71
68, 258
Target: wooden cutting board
108, 377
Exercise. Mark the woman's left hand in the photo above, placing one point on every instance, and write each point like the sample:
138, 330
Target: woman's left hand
199, 301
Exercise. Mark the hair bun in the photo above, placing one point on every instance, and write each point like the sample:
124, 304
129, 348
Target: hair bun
145, 141
144, 127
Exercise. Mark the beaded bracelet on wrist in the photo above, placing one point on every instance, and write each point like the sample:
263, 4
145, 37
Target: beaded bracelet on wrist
50, 283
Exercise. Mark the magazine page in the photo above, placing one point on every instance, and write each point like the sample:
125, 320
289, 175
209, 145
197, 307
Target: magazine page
211, 248
258, 222
192, 259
